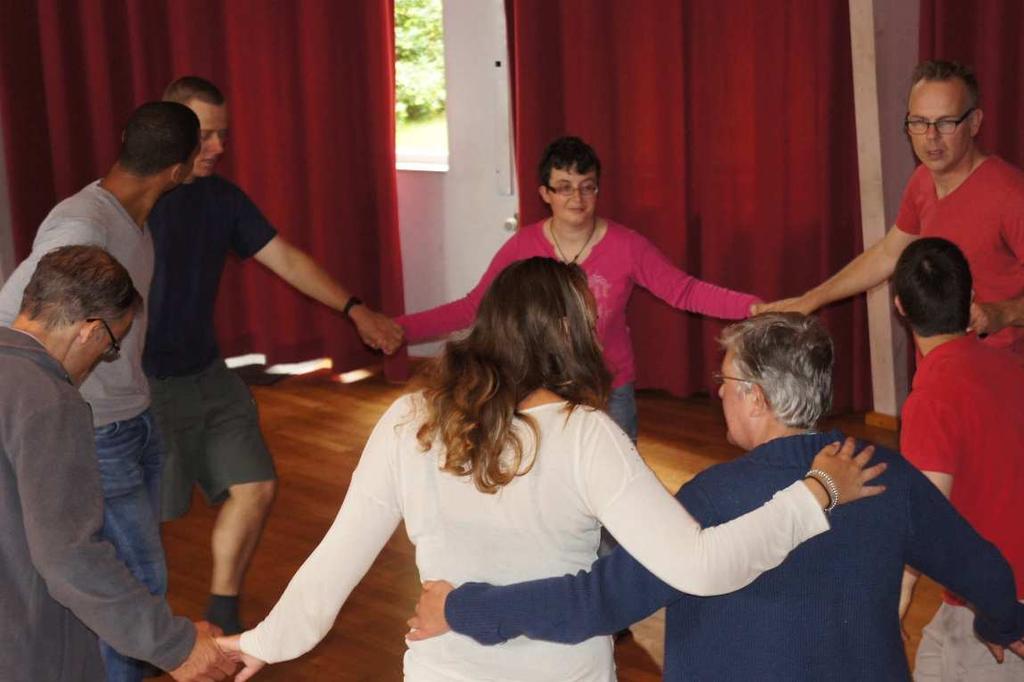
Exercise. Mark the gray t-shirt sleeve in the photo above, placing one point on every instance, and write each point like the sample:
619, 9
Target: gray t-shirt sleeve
51, 235
61, 504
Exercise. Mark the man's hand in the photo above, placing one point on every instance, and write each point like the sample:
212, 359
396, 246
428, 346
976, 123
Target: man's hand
797, 304
429, 620
252, 665
988, 318
206, 662
377, 331
999, 654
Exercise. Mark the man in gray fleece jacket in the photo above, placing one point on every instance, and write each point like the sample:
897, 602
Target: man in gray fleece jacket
61, 584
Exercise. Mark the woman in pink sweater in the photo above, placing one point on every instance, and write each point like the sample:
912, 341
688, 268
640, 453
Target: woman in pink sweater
614, 257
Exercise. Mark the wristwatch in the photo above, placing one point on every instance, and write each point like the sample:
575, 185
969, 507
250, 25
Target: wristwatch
351, 303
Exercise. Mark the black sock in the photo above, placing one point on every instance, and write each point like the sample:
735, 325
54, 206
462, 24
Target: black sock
222, 611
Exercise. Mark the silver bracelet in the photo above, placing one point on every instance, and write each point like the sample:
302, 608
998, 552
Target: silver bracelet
830, 487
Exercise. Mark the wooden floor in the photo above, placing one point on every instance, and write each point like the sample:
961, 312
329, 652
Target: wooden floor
316, 428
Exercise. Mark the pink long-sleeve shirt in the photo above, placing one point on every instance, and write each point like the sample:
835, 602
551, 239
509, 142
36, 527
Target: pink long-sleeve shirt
622, 259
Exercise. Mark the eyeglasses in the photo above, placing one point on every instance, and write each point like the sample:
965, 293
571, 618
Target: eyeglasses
114, 351
720, 379
943, 126
586, 189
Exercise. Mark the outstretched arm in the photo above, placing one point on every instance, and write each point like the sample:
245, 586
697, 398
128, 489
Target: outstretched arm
944, 483
868, 269
368, 516
570, 609
618, 590
628, 499
656, 273
947, 549
459, 314
298, 269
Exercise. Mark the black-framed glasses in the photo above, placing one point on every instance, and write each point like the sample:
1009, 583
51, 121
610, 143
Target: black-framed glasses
586, 189
720, 378
943, 126
114, 351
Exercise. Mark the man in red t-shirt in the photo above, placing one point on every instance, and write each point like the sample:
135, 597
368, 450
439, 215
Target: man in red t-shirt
959, 193
963, 426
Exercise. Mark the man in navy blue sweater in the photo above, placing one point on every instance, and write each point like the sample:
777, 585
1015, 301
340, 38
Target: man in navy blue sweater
830, 611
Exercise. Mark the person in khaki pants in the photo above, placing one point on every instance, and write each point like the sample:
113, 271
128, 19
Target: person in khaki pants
206, 413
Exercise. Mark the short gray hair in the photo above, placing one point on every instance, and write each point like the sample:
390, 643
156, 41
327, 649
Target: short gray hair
79, 282
790, 356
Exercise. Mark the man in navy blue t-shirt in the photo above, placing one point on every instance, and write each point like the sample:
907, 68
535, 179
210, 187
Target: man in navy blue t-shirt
207, 414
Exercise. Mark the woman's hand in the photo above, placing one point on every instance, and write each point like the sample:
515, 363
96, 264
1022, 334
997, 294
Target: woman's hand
429, 620
232, 646
850, 473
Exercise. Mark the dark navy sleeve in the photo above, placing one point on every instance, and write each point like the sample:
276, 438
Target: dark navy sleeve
616, 592
250, 230
943, 546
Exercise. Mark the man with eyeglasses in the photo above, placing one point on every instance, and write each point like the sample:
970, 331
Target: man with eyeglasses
158, 146
60, 584
829, 611
958, 193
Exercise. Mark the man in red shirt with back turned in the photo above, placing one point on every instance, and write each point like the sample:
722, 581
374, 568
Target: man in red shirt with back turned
959, 193
963, 426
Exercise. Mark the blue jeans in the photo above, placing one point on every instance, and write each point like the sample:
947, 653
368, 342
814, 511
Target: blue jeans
130, 455
622, 409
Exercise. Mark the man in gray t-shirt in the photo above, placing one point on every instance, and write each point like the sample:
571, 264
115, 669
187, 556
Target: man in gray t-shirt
159, 144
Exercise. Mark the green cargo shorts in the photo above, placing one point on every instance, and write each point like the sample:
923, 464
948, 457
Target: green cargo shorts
211, 428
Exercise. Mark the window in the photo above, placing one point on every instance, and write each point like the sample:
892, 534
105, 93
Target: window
421, 128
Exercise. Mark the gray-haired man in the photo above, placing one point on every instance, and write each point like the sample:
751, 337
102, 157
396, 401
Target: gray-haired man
829, 611
61, 585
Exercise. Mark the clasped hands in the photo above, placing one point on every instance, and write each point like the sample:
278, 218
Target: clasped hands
215, 657
378, 331
986, 318
206, 662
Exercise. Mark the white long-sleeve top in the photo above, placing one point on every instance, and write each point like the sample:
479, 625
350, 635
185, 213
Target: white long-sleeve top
546, 522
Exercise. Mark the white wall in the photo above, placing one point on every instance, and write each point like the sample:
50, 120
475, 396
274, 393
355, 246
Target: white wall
452, 223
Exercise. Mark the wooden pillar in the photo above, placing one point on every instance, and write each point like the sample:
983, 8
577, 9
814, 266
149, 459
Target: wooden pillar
883, 36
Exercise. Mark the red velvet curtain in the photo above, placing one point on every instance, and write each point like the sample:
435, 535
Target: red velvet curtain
726, 132
311, 96
987, 36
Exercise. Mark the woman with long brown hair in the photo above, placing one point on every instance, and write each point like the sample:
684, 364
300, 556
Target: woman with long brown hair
504, 470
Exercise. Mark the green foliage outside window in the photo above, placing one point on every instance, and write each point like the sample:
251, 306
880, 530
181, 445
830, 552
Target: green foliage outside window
419, 60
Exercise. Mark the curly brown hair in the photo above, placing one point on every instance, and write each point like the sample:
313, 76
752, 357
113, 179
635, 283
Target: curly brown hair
534, 330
